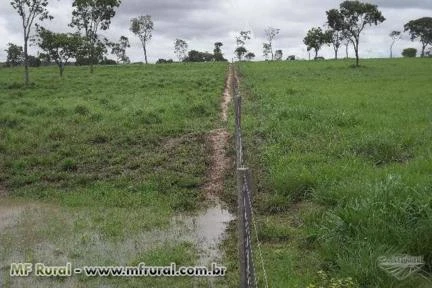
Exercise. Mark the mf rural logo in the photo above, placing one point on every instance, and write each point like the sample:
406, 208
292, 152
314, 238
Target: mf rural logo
401, 267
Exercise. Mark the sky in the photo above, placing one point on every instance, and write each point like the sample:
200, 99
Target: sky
203, 22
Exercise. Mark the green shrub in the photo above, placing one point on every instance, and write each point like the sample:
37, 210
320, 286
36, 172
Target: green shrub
69, 165
81, 110
409, 52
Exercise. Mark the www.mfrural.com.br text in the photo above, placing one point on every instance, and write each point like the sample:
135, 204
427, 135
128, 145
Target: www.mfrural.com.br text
141, 270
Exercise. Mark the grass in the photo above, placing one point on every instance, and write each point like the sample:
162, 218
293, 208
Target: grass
342, 160
102, 162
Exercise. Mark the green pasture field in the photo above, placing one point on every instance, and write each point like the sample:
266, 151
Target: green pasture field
94, 166
342, 162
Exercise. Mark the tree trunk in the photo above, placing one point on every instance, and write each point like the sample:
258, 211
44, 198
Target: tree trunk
91, 58
145, 52
346, 50
316, 54
356, 47
336, 54
423, 50
391, 50
61, 68
26, 66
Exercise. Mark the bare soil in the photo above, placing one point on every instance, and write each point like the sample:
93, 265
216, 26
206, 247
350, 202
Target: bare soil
218, 140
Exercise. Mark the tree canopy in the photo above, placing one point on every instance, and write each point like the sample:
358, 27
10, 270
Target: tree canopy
249, 56
240, 51
420, 29
30, 11
352, 18
119, 49
59, 47
15, 55
315, 39
142, 27
217, 52
180, 49
270, 34
197, 56
409, 53
91, 16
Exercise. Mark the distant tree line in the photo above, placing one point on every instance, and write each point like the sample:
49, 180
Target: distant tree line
346, 24
183, 55
86, 46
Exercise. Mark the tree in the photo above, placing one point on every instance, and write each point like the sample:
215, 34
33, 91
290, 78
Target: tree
45, 59
278, 55
270, 34
59, 47
143, 27
100, 49
335, 38
315, 39
164, 61
106, 61
241, 42
242, 38
119, 49
352, 18
217, 49
15, 56
346, 42
395, 35
196, 56
249, 56
266, 50
34, 61
422, 29
240, 51
30, 11
409, 52
92, 16
180, 49
217, 52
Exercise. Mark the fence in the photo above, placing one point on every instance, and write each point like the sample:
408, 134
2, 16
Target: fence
244, 189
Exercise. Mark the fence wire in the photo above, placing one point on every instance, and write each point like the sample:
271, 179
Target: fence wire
248, 278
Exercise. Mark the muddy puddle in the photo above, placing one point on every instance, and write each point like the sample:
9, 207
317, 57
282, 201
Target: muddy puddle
207, 231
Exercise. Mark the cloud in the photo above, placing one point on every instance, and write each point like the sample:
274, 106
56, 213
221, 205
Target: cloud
422, 4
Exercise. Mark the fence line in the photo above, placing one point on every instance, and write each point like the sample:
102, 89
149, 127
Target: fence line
244, 189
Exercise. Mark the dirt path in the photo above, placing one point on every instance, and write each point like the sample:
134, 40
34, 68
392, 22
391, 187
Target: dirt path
227, 96
218, 140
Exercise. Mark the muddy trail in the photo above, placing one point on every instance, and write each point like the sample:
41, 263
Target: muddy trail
218, 140
211, 225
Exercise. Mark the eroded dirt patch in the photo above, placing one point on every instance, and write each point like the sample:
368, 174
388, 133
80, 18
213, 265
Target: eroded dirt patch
10, 212
218, 140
